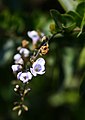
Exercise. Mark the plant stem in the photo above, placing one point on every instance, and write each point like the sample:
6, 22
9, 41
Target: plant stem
68, 4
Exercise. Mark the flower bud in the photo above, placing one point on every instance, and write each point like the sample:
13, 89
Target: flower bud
16, 107
19, 112
25, 107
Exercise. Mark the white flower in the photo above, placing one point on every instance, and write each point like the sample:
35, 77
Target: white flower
24, 51
24, 76
18, 75
34, 36
20, 61
38, 67
17, 57
16, 68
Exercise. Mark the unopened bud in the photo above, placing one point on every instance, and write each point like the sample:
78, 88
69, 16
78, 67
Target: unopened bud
15, 89
17, 86
16, 107
25, 107
25, 43
19, 112
44, 38
26, 91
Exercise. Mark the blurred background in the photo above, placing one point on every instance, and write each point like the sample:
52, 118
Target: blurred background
54, 96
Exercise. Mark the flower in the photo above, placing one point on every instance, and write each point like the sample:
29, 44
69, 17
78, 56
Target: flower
20, 61
16, 68
38, 67
17, 57
24, 51
34, 36
24, 76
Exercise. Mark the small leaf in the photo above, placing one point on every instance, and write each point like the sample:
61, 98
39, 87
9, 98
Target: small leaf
52, 28
68, 22
82, 25
81, 9
64, 21
57, 18
76, 17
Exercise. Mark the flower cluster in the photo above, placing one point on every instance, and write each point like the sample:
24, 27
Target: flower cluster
28, 63
37, 68
22, 58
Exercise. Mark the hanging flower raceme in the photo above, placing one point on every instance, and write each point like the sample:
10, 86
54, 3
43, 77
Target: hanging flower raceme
28, 64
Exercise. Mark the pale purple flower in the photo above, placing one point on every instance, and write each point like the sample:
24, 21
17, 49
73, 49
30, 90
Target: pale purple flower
38, 67
18, 75
17, 57
34, 36
20, 61
24, 76
24, 51
16, 68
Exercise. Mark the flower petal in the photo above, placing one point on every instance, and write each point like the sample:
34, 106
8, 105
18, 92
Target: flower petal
17, 57
24, 51
18, 75
30, 75
40, 73
20, 61
33, 72
34, 36
40, 61
24, 77
16, 68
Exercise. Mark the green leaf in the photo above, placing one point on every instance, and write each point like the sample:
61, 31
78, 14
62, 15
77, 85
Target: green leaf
57, 18
68, 22
82, 25
81, 9
76, 17
63, 21
68, 4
